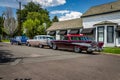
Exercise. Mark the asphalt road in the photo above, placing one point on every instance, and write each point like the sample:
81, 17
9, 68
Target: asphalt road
31, 63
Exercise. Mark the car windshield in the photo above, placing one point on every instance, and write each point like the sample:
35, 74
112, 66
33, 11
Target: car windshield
85, 38
50, 38
24, 37
18, 37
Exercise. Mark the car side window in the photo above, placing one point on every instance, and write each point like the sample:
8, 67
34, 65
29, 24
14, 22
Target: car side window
44, 37
35, 37
85, 38
75, 38
65, 38
39, 37
82, 38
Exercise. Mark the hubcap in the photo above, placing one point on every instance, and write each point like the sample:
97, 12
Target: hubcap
54, 46
40, 46
28, 44
76, 49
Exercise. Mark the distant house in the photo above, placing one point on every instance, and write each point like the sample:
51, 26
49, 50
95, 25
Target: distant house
103, 23
58, 29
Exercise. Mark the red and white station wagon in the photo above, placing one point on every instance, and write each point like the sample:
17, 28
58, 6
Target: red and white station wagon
78, 43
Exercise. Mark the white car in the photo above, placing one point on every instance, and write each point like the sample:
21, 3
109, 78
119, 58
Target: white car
40, 41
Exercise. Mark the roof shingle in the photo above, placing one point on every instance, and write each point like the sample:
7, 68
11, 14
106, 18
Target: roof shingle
103, 9
68, 24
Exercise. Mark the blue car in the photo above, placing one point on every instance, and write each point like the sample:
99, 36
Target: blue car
19, 40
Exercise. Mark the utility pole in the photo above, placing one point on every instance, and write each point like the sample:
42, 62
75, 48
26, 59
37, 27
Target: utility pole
19, 32
19, 19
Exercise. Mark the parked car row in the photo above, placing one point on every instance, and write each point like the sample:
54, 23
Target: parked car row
75, 42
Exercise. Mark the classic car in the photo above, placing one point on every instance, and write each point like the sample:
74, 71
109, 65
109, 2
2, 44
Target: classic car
18, 40
78, 43
40, 41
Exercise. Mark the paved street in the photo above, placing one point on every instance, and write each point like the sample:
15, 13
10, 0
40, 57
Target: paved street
34, 63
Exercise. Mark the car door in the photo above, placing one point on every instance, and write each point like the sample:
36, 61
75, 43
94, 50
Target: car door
24, 39
42, 40
65, 43
36, 41
33, 41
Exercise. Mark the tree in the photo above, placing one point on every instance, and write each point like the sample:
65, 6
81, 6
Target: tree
10, 23
55, 19
1, 24
34, 25
31, 13
1, 27
32, 7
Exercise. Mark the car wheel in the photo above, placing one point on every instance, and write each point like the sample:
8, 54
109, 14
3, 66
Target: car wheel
11, 43
18, 43
77, 49
54, 46
50, 45
28, 44
40, 46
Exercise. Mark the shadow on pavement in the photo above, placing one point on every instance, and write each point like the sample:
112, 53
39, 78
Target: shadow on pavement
83, 52
6, 56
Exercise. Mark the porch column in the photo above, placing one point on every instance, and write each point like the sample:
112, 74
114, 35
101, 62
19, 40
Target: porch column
115, 36
105, 35
96, 34
57, 36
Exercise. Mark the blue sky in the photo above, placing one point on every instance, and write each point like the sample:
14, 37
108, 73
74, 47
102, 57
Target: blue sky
64, 9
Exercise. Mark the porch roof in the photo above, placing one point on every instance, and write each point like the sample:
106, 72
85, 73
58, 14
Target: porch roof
74, 31
52, 33
105, 23
63, 32
87, 30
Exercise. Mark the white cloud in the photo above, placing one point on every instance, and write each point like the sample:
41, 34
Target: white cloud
44, 3
70, 15
48, 3
60, 12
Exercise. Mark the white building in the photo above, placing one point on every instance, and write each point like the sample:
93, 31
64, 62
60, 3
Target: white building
103, 23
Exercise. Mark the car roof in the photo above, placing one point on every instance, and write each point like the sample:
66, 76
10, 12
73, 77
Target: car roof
75, 35
43, 35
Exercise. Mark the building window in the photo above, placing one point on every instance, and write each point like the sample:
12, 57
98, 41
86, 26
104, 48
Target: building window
119, 37
110, 34
100, 34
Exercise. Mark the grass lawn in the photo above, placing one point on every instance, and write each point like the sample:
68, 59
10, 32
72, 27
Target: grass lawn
113, 50
5, 40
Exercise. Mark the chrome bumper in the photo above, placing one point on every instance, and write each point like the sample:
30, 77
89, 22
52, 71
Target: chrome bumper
94, 49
